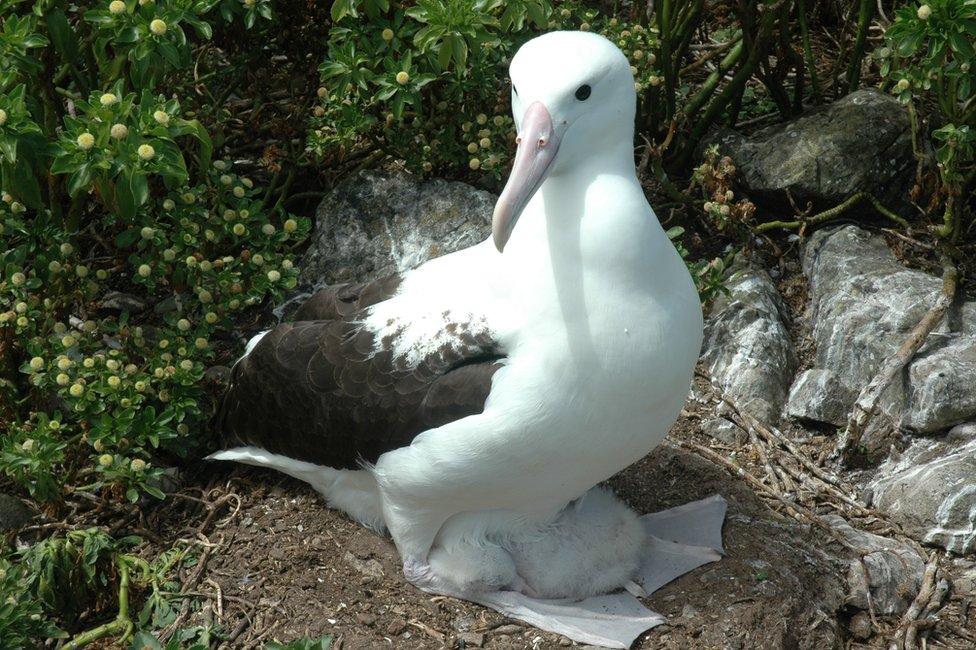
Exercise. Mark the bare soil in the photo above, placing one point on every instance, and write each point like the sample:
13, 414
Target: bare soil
286, 566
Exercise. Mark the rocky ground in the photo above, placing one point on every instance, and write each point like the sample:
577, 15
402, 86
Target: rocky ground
818, 555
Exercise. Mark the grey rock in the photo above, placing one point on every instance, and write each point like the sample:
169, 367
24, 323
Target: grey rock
818, 395
862, 142
377, 223
747, 348
889, 570
930, 490
118, 301
14, 515
964, 583
863, 304
471, 639
942, 383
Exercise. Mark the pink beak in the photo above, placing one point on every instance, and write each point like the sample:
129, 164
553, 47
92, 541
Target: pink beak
537, 147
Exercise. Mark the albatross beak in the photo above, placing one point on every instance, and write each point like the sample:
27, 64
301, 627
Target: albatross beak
537, 146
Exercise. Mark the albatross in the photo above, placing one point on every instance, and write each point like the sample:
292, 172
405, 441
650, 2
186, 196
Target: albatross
469, 406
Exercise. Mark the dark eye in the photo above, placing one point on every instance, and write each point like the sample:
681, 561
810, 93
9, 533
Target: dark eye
583, 92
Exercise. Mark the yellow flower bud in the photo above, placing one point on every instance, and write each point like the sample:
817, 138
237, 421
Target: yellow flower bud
144, 270
474, 163
137, 465
291, 225
106, 460
37, 364
387, 34
86, 141
274, 275
3, 117
157, 27
402, 77
116, 7
146, 151
925, 12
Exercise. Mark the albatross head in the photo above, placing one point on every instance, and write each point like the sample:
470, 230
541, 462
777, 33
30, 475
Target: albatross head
572, 98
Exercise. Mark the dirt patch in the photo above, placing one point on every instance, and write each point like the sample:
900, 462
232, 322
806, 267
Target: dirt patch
289, 567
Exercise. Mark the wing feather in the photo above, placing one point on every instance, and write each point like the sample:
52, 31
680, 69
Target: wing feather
327, 390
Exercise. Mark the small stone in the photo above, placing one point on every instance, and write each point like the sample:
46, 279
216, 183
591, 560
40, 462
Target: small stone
724, 431
508, 629
464, 623
117, 301
471, 639
396, 627
14, 515
369, 568
565, 641
818, 395
365, 618
860, 626
217, 375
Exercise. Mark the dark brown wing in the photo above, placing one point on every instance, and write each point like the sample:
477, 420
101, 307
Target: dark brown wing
342, 301
327, 392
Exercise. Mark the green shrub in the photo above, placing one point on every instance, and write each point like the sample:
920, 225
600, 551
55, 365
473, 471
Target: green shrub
427, 85
106, 185
929, 58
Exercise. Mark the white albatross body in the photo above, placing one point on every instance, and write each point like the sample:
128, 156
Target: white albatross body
593, 307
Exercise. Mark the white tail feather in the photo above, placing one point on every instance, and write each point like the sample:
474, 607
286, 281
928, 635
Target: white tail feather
352, 491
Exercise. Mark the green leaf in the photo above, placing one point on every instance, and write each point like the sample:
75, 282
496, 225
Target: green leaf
144, 641
127, 238
341, 9
61, 33
139, 188
127, 35
444, 54
80, 180
124, 200
8, 148
19, 180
